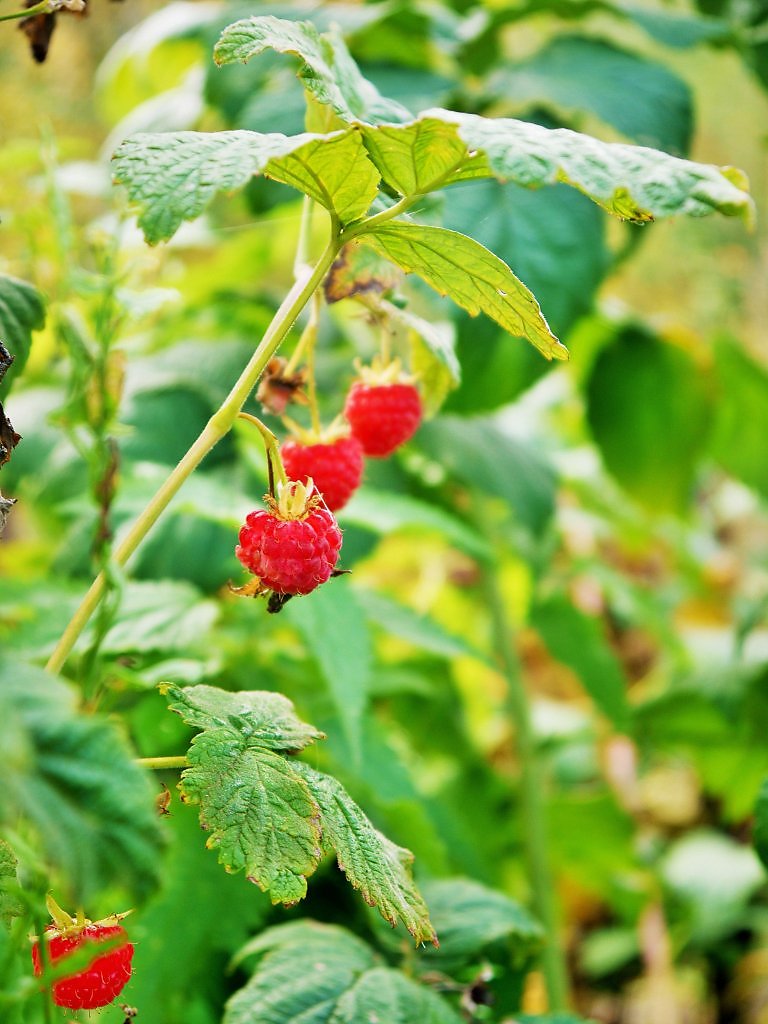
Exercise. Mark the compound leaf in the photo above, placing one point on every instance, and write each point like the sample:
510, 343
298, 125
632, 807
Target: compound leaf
458, 266
22, 311
173, 176
328, 72
260, 812
374, 865
74, 778
265, 717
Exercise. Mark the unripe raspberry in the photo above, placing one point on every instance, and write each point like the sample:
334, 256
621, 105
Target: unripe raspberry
336, 467
293, 546
383, 416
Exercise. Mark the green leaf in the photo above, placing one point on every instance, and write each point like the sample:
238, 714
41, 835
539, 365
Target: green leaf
328, 72
10, 904
477, 280
259, 811
469, 916
384, 512
642, 99
760, 835
632, 182
578, 641
22, 311
649, 410
488, 459
167, 615
741, 416
267, 718
383, 994
74, 779
374, 865
173, 176
306, 969
334, 628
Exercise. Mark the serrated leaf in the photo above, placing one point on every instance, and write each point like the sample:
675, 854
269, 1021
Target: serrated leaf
264, 717
760, 834
22, 311
161, 616
641, 98
172, 177
73, 777
258, 809
469, 916
334, 628
328, 71
578, 641
383, 994
308, 966
633, 182
477, 280
10, 904
372, 863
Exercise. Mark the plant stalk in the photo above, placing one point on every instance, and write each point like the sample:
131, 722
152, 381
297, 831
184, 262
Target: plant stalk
216, 428
532, 785
159, 763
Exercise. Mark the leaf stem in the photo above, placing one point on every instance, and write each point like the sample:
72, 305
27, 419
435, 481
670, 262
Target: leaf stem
43, 7
532, 787
217, 427
158, 763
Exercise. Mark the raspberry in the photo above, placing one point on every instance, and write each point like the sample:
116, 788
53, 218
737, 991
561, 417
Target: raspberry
293, 546
336, 467
382, 416
102, 980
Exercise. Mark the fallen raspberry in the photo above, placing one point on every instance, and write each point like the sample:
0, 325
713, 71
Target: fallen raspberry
336, 467
293, 546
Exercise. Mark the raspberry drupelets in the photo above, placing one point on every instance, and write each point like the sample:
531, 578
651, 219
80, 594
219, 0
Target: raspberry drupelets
335, 466
293, 546
383, 409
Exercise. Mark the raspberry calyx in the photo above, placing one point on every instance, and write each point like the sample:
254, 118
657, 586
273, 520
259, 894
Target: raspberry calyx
291, 547
108, 972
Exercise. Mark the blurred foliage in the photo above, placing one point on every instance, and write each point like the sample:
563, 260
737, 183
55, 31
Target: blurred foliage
618, 500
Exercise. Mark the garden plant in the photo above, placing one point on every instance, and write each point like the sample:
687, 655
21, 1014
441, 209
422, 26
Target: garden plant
345, 673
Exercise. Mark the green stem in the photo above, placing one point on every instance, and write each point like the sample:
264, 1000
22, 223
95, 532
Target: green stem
42, 8
158, 763
274, 462
532, 783
312, 329
217, 427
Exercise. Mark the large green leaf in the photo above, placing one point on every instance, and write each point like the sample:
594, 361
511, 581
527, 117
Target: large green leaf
161, 616
633, 182
22, 311
760, 836
578, 641
642, 99
327, 72
383, 994
477, 280
172, 177
269, 717
489, 460
74, 779
374, 865
649, 410
307, 968
741, 416
260, 813
336, 633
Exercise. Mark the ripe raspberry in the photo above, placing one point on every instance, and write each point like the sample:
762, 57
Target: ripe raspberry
102, 980
335, 466
293, 547
382, 416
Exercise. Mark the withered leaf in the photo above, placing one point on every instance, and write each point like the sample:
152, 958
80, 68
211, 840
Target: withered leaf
358, 270
6, 504
8, 437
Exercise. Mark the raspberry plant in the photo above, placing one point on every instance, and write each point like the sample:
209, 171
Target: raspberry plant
366, 167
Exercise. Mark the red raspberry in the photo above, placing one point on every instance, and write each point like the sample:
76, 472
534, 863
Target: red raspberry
382, 416
102, 980
336, 467
293, 547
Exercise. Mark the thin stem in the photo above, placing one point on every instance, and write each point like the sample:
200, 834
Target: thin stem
371, 223
274, 462
301, 263
217, 427
158, 763
533, 811
43, 7
311, 344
